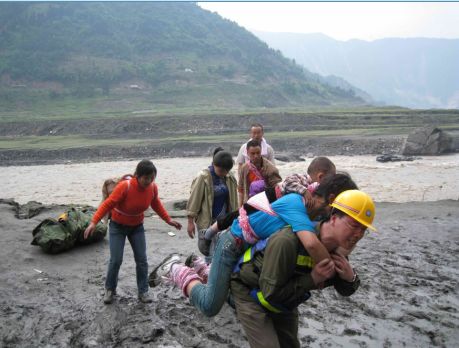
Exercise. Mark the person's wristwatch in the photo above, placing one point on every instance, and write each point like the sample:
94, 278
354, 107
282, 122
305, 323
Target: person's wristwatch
354, 278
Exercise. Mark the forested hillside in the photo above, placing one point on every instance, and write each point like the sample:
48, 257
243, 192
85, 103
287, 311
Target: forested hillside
163, 54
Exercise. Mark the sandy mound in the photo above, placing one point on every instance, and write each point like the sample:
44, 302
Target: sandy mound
409, 293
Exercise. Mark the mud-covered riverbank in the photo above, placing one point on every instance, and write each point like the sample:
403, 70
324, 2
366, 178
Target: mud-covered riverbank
408, 297
291, 149
365, 131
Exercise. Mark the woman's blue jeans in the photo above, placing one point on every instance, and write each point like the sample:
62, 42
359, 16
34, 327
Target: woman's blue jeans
136, 237
209, 298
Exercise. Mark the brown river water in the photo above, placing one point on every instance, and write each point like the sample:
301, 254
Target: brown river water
426, 179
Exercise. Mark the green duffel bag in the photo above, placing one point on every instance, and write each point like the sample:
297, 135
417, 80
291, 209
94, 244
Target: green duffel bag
77, 220
55, 236
52, 237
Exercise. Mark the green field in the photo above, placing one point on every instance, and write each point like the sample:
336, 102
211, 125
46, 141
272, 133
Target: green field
32, 104
76, 141
193, 124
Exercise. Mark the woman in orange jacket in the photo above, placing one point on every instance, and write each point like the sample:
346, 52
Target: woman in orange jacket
127, 204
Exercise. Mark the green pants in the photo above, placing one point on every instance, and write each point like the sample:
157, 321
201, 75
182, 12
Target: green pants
266, 329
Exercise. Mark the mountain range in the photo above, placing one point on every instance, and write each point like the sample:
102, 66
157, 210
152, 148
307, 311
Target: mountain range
411, 72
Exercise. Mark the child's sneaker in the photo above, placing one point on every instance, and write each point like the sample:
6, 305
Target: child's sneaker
163, 270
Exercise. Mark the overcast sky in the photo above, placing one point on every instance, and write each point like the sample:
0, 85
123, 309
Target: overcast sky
344, 21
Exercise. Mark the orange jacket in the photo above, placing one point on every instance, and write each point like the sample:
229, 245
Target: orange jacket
129, 201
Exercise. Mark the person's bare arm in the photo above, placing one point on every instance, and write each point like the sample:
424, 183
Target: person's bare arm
191, 227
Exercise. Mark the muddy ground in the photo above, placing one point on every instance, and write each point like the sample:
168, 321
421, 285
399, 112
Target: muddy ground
409, 293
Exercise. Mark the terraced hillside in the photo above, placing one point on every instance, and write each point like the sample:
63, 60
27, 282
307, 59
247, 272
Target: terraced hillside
360, 131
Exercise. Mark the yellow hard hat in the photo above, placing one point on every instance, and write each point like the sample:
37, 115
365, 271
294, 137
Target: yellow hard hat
358, 205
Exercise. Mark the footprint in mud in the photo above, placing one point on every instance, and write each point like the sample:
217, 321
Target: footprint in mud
153, 335
190, 338
307, 340
140, 329
387, 343
109, 321
436, 340
216, 337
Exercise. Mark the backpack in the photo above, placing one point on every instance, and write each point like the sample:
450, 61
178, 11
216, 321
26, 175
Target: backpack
58, 235
108, 187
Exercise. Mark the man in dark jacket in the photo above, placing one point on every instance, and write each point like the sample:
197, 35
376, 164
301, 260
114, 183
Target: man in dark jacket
274, 277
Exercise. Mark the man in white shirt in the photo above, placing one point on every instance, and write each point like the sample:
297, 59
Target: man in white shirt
256, 133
